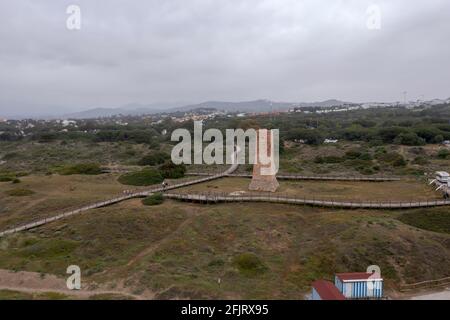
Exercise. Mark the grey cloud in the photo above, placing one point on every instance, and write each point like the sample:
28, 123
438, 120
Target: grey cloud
196, 50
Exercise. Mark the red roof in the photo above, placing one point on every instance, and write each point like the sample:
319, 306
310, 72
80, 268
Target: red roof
327, 290
353, 276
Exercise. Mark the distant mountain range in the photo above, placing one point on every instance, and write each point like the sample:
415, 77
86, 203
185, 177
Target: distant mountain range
136, 109
242, 106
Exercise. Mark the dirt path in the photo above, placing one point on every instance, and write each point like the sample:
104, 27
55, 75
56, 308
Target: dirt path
32, 282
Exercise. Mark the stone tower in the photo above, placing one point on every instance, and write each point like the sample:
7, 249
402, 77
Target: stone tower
261, 181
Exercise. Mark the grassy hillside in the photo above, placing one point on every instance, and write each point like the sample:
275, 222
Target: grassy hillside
180, 250
437, 220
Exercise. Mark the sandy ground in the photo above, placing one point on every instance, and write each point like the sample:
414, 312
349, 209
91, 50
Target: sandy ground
442, 295
33, 282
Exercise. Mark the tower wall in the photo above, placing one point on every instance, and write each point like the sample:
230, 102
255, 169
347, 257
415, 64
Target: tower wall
263, 182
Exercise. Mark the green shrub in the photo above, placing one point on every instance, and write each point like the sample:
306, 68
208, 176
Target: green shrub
409, 139
6, 178
169, 170
438, 139
216, 263
19, 192
154, 159
438, 221
380, 150
328, 159
249, 264
365, 156
399, 162
145, 177
427, 133
420, 161
16, 180
22, 174
443, 154
153, 200
375, 142
356, 154
392, 158
81, 168
352, 154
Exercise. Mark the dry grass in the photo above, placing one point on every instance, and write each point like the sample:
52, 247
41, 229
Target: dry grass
53, 194
180, 250
337, 190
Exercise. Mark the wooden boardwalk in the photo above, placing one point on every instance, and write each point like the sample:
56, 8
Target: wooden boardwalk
142, 193
302, 177
425, 284
220, 197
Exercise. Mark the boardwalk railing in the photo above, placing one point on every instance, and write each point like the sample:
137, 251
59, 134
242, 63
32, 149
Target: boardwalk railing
120, 198
211, 197
302, 177
224, 197
425, 284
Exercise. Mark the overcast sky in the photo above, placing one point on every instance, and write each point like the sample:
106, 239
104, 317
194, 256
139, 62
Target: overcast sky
184, 51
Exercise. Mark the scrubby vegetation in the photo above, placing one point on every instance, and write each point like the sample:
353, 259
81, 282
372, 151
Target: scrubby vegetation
11, 176
140, 141
6, 178
257, 250
81, 168
249, 264
443, 154
437, 221
145, 177
154, 158
153, 200
172, 171
149, 175
19, 192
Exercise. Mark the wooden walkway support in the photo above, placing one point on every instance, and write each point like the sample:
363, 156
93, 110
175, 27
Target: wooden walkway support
222, 197
425, 284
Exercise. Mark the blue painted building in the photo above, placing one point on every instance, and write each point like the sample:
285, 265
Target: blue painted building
359, 285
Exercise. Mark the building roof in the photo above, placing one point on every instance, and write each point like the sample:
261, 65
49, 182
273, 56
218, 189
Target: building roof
327, 291
442, 173
355, 276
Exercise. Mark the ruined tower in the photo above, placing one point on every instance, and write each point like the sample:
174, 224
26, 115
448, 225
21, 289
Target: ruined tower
264, 178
